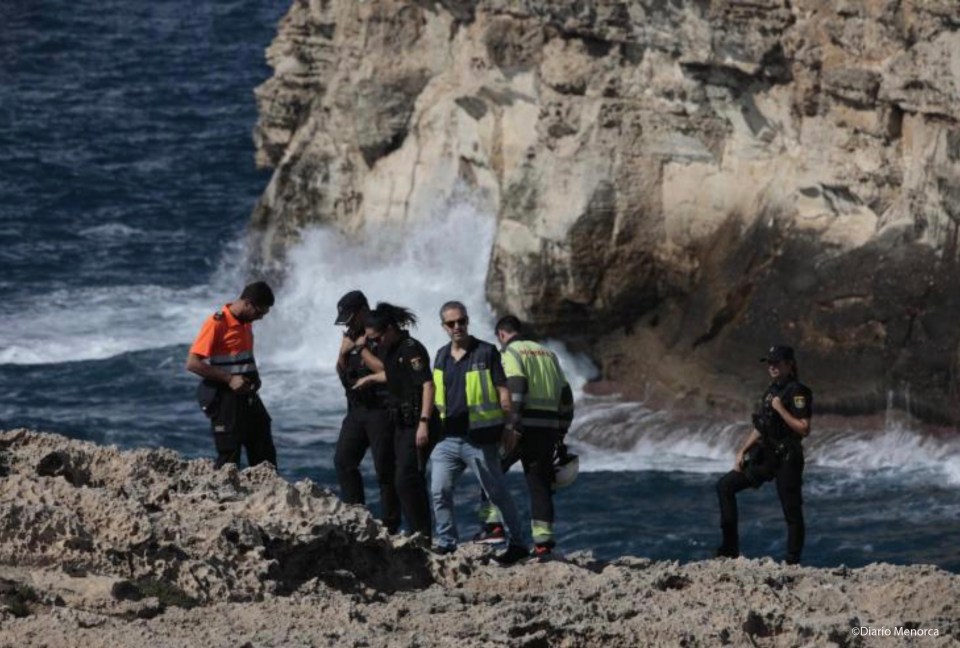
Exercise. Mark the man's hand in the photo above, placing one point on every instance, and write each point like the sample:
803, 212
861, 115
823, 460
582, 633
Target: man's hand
509, 440
738, 463
423, 435
239, 384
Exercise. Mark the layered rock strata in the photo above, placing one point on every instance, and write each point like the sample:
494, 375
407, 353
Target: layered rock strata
676, 184
102, 548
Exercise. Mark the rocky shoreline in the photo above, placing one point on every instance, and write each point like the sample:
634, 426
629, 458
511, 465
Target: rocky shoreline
102, 547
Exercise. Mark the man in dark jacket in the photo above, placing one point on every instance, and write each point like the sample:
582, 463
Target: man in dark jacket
474, 405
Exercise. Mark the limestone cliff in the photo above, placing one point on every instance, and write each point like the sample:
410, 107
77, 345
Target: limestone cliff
676, 184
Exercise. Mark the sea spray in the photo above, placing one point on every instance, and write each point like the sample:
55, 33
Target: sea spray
103, 321
617, 435
420, 265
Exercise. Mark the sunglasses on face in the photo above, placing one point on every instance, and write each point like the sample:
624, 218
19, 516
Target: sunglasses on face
452, 324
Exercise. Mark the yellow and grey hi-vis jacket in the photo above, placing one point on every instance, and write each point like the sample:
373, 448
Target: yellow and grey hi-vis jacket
538, 387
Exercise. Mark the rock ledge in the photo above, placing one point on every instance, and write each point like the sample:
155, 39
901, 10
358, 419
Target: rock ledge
102, 547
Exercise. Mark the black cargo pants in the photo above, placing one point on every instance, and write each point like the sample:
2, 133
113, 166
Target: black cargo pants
241, 421
362, 428
788, 473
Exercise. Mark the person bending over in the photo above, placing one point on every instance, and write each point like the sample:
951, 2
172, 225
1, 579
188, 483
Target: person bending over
367, 423
222, 355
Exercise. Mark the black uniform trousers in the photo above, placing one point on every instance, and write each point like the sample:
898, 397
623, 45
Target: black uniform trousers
411, 479
241, 421
368, 427
789, 478
535, 451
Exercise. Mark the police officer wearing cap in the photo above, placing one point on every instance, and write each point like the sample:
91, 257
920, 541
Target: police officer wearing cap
772, 451
367, 423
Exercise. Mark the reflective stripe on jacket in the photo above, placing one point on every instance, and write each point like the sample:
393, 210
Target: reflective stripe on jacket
226, 343
536, 381
483, 400
238, 363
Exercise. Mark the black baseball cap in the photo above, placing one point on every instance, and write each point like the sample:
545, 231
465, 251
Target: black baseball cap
778, 353
349, 305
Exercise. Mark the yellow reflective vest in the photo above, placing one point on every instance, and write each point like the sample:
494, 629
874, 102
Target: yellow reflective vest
537, 384
483, 400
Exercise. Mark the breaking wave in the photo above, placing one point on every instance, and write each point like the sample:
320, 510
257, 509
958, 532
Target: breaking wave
617, 436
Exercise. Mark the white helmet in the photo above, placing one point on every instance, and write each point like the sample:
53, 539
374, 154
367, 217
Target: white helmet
565, 470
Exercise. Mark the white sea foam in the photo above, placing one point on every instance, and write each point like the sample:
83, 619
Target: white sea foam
110, 231
440, 259
120, 233
100, 322
628, 436
443, 258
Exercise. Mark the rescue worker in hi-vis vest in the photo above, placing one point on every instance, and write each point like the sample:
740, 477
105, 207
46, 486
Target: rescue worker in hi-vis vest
222, 355
543, 409
772, 451
474, 405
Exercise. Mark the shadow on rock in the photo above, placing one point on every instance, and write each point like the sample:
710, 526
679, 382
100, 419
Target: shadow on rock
349, 566
60, 464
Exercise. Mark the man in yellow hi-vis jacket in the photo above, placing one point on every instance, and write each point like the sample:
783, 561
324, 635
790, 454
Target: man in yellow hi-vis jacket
472, 400
542, 403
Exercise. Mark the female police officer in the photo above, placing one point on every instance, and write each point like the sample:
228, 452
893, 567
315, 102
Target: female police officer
410, 401
367, 423
773, 450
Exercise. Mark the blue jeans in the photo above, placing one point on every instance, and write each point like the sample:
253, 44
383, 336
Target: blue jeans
448, 461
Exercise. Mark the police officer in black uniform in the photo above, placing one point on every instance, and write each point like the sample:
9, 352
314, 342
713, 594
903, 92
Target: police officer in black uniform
410, 388
772, 451
367, 423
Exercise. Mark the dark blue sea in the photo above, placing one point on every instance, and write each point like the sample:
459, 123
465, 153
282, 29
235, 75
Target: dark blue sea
127, 179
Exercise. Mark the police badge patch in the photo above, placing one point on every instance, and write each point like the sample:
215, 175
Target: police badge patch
416, 363
799, 401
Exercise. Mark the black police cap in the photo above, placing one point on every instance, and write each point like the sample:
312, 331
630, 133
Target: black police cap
778, 353
348, 306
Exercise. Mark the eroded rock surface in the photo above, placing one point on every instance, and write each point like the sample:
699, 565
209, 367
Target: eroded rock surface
675, 183
149, 516
145, 549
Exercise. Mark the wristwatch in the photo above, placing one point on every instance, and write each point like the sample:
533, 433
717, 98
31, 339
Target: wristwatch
424, 419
